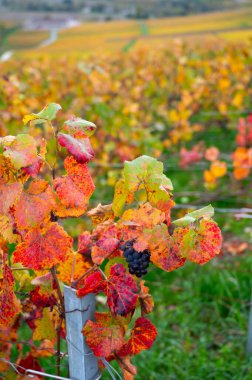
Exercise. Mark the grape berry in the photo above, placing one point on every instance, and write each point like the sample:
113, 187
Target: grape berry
138, 262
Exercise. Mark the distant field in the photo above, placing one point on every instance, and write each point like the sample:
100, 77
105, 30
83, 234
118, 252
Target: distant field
127, 34
27, 40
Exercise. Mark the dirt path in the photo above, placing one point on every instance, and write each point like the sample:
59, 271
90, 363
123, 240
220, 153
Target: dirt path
50, 40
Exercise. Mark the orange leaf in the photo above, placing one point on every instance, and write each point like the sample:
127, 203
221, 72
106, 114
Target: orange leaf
45, 349
74, 189
9, 193
104, 336
164, 249
137, 224
218, 169
242, 162
145, 216
145, 299
43, 248
35, 205
201, 244
209, 177
129, 370
141, 338
9, 304
74, 265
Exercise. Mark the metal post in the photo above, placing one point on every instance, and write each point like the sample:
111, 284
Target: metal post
83, 365
249, 341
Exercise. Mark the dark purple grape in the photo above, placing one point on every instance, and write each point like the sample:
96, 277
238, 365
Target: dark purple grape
138, 262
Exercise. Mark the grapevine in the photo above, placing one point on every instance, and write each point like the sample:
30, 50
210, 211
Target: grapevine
38, 255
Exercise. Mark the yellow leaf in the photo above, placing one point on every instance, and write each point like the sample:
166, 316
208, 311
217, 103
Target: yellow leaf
218, 169
44, 327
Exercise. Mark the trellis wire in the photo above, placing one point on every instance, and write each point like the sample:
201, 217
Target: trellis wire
242, 212
172, 165
219, 209
30, 372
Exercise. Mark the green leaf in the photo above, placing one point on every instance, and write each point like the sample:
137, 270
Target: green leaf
120, 197
166, 182
205, 212
185, 221
143, 170
77, 125
48, 113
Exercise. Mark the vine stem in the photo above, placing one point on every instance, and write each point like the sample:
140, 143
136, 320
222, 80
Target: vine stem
75, 283
124, 365
58, 346
94, 267
60, 295
61, 315
103, 274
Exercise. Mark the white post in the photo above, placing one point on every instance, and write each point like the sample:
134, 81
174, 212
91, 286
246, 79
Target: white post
83, 365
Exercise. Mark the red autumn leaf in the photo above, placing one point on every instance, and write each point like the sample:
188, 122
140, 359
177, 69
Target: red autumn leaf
42, 298
74, 189
85, 243
94, 283
22, 151
34, 169
35, 205
205, 245
9, 193
188, 157
121, 291
9, 304
43, 248
103, 248
141, 338
244, 136
81, 149
29, 362
104, 336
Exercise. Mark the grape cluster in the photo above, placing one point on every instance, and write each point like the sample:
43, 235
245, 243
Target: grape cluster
138, 262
